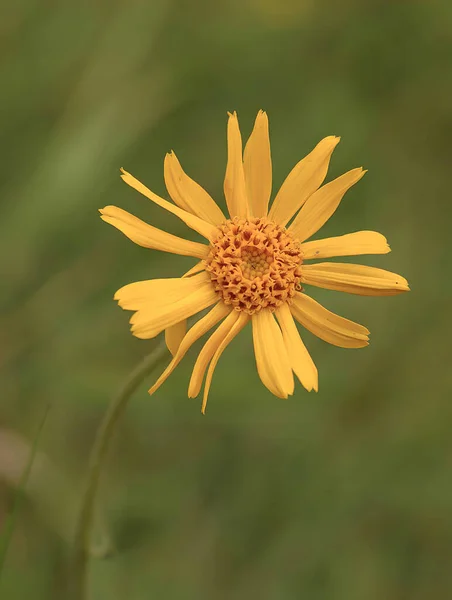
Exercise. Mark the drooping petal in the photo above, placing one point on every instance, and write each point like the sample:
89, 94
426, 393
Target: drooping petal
218, 312
351, 244
304, 179
174, 335
148, 236
235, 329
272, 360
149, 323
207, 352
234, 181
205, 229
300, 359
326, 325
151, 292
322, 204
188, 194
258, 167
354, 279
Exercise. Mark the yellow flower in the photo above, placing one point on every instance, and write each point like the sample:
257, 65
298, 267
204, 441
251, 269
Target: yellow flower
253, 266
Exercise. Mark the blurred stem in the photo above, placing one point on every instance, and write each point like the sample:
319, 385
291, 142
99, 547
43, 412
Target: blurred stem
7, 532
85, 519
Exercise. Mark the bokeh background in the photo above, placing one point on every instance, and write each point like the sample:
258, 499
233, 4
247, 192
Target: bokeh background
344, 494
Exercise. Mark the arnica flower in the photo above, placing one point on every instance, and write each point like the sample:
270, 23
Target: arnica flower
253, 266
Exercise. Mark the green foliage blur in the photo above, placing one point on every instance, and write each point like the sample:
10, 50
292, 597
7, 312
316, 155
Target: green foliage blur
345, 494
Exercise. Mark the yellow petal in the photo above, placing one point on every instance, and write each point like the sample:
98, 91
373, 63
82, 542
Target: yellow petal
235, 329
151, 322
234, 181
304, 179
354, 279
272, 360
300, 359
188, 194
326, 325
352, 244
150, 237
207, 352
205, 229
322, 204
139, 294
174, 335
218, 312
258, 167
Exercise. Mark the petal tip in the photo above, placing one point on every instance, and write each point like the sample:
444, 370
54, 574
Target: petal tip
402, 285
334, 140
140, 336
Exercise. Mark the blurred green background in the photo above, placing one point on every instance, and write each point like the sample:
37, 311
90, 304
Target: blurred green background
345, 494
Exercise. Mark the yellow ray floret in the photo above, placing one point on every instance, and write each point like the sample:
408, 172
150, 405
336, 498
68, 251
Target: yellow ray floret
322, 204
188, 194
304, 179
150, 237
208, 351
234, 181
354, 279
239, 323
300, 359
205, 229
272, 358
326, 325
257, 164
351, 244
174, 335
214, 316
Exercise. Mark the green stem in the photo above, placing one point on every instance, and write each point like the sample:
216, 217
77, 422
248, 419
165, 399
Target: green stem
85, 518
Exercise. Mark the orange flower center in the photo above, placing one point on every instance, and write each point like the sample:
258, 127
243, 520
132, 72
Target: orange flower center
254, 264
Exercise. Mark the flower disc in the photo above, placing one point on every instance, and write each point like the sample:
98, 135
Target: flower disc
254, 264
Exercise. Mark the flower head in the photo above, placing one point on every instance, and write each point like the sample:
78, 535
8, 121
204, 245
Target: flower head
253, 266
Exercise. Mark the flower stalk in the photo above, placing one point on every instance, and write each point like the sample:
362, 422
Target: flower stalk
78, 580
